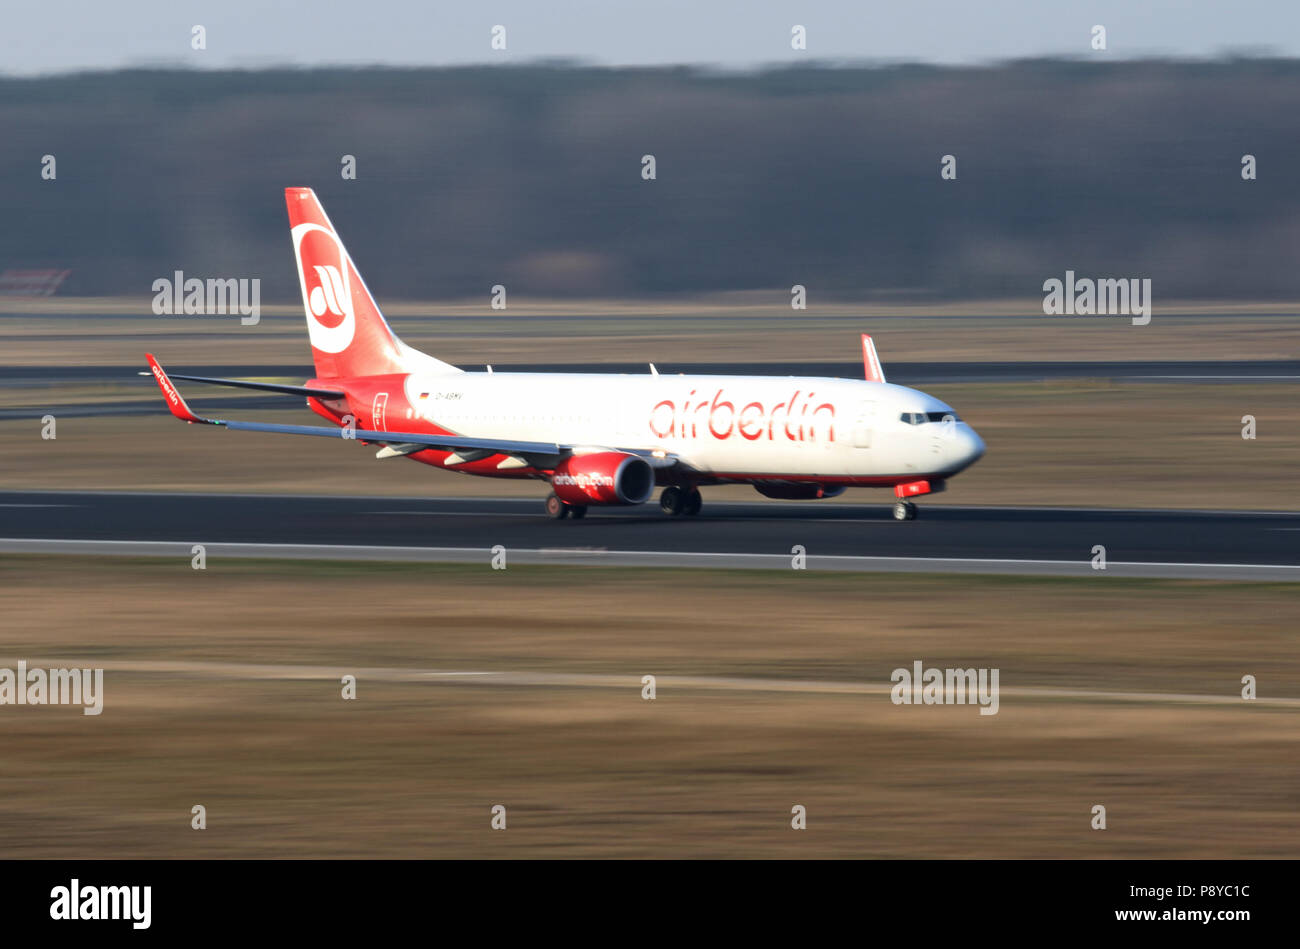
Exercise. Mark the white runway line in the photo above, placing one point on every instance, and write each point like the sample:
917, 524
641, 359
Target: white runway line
1250, 377
455, 514
632, 682
568, 556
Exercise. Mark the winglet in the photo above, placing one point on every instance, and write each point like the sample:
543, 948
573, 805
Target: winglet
870, 361
174, 401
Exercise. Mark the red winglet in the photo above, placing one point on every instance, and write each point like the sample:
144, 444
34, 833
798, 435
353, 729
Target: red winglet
870, 361
174, 401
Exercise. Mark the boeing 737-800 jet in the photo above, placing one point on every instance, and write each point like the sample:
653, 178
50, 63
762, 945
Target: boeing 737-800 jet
597, 439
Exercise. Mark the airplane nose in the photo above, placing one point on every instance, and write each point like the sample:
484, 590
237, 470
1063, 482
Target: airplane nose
964, 449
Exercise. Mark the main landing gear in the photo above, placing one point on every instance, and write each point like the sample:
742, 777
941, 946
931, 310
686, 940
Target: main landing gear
675, 501
904, 511
559, 510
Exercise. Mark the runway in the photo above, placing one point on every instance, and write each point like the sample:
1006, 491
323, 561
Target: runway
834, 536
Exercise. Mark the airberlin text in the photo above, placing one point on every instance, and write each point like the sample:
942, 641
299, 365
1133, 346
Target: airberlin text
799, 418
583, 480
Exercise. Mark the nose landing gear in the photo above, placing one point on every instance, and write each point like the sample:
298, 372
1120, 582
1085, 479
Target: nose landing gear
904, 511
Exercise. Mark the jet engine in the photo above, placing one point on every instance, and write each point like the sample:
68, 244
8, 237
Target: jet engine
606, 477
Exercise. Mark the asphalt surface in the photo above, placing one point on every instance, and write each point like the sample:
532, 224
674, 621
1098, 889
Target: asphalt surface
1004, 540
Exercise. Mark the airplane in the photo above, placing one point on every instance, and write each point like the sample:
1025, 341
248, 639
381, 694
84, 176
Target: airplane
598, 439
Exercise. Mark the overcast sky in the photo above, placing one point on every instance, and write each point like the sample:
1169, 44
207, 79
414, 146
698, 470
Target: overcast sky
49, 36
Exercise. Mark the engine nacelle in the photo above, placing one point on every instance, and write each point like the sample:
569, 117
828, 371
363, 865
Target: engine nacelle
605, 477
793, 491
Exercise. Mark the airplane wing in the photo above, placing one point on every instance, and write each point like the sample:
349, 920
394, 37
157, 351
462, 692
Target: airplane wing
536, 454
260, 386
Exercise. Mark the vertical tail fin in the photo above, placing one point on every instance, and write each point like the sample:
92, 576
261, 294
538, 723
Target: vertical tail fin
349, 335
870, 361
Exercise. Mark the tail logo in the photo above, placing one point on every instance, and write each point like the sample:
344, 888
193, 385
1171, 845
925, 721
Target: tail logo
328, 295
325, 274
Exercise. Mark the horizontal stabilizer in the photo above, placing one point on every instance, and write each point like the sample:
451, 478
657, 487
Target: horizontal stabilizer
260, 386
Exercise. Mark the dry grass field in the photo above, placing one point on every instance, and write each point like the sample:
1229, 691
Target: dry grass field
222, 689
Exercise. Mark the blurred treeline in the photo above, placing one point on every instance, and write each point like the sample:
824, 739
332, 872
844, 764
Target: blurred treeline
532, 177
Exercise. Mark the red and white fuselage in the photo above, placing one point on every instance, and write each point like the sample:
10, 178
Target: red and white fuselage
725, 428
599, 438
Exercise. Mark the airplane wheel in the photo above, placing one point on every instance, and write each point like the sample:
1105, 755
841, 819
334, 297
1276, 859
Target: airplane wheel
577, 511
671, 501
691, 502
904, 511
555, 508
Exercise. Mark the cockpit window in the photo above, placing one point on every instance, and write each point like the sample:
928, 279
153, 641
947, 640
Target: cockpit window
920, 418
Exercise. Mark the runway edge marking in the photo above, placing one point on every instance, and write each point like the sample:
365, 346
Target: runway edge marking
652, 558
